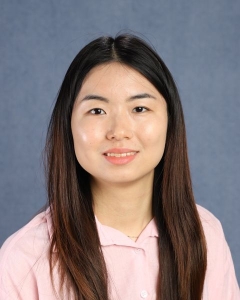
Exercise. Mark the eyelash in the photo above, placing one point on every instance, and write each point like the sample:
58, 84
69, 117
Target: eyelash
99, 111
141, 107
95, 111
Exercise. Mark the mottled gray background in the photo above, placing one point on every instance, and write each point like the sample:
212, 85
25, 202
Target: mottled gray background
198, 40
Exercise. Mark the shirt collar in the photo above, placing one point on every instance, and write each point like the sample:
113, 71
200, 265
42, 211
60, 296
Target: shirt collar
110, 236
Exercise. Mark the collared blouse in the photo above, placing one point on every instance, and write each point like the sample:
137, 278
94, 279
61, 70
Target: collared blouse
133, 267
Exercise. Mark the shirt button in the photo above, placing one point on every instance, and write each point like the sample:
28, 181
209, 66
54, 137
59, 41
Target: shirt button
144, 294
138, 250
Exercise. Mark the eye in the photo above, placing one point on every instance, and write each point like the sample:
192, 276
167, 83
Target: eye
140, 109
97, 111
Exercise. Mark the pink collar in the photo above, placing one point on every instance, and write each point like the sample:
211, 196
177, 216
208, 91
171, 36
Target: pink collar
110, 236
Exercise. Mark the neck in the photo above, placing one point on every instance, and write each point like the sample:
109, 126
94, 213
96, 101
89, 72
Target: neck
125, 207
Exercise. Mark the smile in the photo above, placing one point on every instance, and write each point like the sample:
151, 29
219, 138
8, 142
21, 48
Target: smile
120, 154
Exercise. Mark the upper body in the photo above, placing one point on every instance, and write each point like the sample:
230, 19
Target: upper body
132, 266
116, 149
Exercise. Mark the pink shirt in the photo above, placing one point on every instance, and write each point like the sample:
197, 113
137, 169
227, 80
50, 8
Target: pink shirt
132, 266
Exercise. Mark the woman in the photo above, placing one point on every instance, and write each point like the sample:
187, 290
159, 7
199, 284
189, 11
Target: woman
122, 222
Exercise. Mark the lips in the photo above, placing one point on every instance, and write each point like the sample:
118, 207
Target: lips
120, 155
120, 152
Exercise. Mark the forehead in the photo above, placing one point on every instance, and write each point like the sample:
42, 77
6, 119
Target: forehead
114, 77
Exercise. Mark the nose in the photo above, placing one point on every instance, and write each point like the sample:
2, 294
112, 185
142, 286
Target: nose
120, 128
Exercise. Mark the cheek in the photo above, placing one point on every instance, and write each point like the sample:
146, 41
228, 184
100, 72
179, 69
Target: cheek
83, 138
86, 138
154, 133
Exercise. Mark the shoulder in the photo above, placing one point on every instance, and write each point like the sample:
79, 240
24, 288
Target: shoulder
211, 225
215, 239
30, 240
214, 235
220, 280
24, 256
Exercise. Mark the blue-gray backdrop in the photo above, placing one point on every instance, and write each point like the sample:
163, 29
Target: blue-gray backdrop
198, 40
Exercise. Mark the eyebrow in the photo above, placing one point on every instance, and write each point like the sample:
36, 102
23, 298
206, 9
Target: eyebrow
142, 96
135, 97
94, 97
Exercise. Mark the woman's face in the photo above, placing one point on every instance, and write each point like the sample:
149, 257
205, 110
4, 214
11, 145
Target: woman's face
119, 125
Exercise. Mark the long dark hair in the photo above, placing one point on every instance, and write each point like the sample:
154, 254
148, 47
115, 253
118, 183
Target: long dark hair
182, 246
